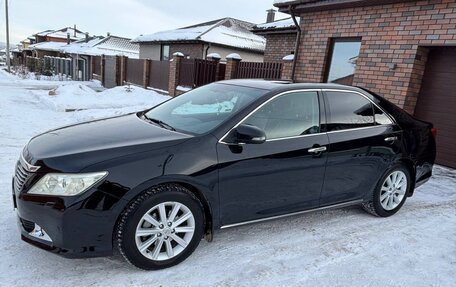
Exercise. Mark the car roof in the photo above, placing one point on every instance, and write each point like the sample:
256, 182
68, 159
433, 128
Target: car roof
281, 86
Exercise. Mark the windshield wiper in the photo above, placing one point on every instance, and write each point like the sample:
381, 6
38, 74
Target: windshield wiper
159, 122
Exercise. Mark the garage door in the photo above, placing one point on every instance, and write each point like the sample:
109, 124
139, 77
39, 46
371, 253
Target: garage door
437, 101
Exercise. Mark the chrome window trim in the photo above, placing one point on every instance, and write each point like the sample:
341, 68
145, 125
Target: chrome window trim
320, 133
361, 128
259, 107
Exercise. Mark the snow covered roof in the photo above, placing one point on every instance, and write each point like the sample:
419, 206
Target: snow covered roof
48, 46
75, 34
111, 45
282, 24
227, 32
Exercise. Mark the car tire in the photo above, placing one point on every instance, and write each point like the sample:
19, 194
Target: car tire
390, 193
149, 242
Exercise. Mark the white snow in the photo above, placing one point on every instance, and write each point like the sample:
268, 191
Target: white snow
214, 56
343, 247
228, 31
110, 46
234, 56
179, 54
183, 88
282, 23
288, 57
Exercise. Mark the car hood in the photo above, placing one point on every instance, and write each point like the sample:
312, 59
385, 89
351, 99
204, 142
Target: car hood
74, 147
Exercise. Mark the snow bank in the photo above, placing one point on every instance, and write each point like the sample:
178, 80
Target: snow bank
75, 96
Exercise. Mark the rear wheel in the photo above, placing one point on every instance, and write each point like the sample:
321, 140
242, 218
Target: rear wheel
391, 192
161, 227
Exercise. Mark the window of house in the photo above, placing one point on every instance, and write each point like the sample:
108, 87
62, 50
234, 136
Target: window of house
342, 62
289, 115
348, 110
164, 53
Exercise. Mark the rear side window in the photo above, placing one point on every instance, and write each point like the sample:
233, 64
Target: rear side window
288, 115
348, 111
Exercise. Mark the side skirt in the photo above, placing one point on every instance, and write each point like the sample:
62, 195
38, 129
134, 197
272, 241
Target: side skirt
338, 205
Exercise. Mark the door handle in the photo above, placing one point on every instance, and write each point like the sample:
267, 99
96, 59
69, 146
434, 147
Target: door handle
317, 149
390, 139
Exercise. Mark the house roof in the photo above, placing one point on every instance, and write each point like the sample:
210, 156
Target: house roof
300, 6
227, 32
286, 25
96, 46
75, 34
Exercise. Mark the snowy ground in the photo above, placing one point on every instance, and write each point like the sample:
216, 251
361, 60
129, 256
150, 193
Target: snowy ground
344, 247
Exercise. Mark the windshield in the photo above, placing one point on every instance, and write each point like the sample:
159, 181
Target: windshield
201, 110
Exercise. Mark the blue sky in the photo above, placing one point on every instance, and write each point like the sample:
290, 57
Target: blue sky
123, 18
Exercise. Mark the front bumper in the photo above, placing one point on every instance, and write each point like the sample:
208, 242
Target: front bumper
68, 226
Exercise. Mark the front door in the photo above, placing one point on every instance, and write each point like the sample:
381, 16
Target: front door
281, 175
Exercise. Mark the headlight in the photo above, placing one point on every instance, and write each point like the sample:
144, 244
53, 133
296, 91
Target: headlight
65, 184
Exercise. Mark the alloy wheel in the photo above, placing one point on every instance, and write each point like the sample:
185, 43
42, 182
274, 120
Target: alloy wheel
393, 190
165, 231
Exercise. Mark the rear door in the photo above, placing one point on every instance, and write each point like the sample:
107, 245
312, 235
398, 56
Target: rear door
363, 142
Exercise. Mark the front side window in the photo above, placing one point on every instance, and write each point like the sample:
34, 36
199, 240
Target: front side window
201, 110
342, 64
348, 110
288, 115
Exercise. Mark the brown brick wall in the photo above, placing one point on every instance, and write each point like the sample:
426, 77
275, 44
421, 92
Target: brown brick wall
192, 50
395, 33
278, 46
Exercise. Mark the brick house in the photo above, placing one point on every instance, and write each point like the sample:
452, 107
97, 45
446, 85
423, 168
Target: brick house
403, 50
222, 36
280, 37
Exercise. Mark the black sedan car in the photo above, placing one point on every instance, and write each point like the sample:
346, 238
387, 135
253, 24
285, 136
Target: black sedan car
154, 183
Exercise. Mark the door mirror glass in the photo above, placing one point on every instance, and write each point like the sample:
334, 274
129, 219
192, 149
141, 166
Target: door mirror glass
249, 134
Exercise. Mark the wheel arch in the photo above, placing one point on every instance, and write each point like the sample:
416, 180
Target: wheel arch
410, 165
195, 188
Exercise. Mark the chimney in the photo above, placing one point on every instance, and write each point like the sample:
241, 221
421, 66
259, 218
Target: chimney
271, 16
68, 38
87, 37
108, 34
75, 30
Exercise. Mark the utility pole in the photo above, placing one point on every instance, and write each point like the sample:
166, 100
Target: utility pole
7, 38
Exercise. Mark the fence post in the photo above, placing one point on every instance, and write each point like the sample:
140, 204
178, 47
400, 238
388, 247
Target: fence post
146, 73
102, 70
123, 69
287, 68
232, 63
215, 58
174, 69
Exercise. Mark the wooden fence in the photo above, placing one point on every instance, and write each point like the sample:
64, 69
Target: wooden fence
255, 70
199, 72
159, 75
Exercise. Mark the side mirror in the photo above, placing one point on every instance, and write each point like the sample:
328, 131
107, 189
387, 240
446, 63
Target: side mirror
249, 134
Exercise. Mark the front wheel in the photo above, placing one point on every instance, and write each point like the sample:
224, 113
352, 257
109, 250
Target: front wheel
391, 192
161, 228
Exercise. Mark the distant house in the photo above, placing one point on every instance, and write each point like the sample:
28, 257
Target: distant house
82, 52
61, 35
222, 36
280, 37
